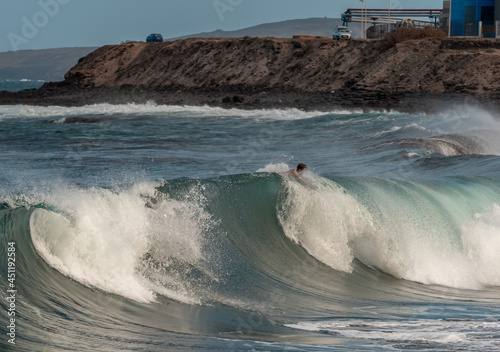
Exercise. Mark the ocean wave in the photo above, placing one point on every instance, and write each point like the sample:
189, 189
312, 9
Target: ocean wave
175, 238
445, 144
113, 240
448, 145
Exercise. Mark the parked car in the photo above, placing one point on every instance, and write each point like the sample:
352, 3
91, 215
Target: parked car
342, 32
154, 37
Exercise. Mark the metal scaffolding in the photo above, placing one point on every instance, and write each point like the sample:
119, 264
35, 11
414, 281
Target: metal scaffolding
390, 17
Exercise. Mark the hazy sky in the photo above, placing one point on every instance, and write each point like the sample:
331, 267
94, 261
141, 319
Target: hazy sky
41, 24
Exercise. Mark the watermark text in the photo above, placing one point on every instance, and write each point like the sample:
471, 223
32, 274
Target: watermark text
11, 292
32, 25
224, 6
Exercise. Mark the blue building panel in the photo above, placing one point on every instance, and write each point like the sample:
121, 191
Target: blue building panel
466, 15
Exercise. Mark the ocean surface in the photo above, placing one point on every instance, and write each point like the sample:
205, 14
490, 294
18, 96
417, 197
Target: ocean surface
17, 85
176, 228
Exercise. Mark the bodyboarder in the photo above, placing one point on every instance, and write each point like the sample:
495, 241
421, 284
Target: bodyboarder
296, 173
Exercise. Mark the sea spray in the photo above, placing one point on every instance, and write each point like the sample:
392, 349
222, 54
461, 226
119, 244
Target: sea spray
481, 243
179, 227
100, 244
323, 220
110, 238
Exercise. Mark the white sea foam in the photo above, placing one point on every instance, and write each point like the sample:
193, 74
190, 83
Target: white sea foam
399, 128
440, 333
323, 220
152, 109
276, 168
481, 243
111, 241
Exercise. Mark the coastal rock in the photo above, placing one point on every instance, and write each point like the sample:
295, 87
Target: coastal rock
293, 72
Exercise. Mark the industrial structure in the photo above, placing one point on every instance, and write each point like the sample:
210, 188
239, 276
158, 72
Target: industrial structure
385, 21
471, 18
457, 18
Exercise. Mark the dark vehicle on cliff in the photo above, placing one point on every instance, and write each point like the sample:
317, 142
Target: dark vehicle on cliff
154, 37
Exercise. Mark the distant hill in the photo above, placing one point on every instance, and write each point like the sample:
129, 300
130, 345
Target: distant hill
284, 29
47, 65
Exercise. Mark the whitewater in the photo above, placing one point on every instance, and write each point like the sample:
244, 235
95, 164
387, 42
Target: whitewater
145, 227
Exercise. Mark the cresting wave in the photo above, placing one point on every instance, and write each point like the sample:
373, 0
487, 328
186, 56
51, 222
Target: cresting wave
478, 142
176, 238
118, 240
446, 144
440, 232
470, 131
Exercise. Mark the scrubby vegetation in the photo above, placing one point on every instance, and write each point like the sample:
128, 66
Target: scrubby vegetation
404, 34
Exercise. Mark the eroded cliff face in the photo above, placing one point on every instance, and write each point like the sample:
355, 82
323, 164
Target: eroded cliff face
311, 74
309, 65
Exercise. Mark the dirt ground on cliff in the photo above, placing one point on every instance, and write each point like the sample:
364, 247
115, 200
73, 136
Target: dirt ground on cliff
317, 65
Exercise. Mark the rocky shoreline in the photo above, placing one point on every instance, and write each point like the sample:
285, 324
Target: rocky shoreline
54, 94
311, 74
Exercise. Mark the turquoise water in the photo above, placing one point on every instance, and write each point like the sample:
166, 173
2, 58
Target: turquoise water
170, 228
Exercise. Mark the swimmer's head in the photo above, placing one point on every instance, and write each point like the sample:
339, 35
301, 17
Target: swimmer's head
301, 167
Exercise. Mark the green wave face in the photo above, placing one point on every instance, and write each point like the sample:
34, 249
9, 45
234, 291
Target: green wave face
188, 240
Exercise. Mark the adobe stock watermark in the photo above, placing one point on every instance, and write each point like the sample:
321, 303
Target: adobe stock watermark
31, 26
224, 6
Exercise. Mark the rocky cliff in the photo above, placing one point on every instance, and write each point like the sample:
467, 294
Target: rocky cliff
305, 73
